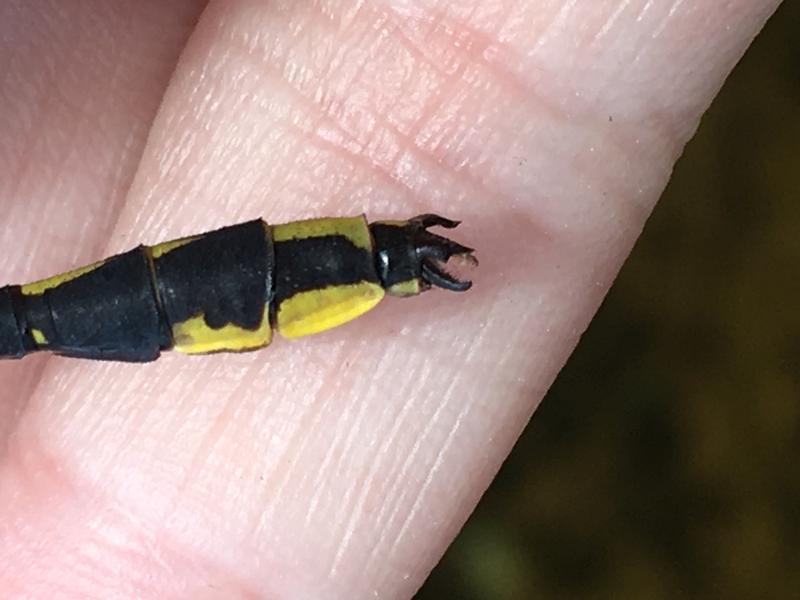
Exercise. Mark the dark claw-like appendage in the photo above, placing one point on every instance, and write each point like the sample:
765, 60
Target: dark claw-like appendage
406, 251
432, 220
441, 278
434, 251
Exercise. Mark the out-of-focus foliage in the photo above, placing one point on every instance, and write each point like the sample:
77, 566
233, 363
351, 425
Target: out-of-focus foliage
664, 461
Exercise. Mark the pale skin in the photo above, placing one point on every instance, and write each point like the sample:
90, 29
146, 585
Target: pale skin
339, 466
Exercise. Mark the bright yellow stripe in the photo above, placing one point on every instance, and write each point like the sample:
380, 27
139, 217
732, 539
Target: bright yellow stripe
194, 336
161, 249
41, 286
38, 336
317, 310
353, 228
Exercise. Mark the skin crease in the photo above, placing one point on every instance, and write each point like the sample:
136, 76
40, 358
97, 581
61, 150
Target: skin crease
338, 466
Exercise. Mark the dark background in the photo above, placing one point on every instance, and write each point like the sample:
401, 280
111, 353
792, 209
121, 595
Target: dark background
663, 462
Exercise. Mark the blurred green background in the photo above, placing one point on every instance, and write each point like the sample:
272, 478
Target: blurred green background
664, 461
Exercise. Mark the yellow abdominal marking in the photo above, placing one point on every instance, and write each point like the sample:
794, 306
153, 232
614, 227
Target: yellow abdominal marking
409, 287
194, 336
354, 229
41, 286
396, 222
161, 249
317, 310
38, 336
